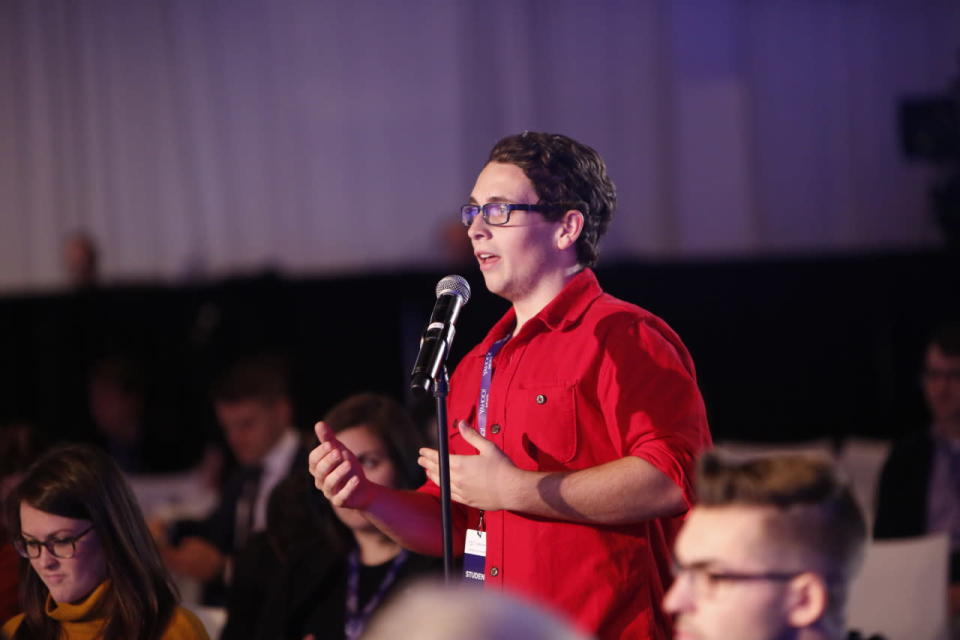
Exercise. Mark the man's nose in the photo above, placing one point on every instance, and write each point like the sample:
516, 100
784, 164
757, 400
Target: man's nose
679, 596
478, 227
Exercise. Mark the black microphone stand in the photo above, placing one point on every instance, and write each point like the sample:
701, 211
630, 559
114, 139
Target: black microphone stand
441, 384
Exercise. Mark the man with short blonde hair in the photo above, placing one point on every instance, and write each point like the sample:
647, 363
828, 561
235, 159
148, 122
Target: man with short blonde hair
768, 553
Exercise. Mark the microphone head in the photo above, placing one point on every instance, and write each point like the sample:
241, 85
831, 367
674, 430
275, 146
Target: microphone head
454, 285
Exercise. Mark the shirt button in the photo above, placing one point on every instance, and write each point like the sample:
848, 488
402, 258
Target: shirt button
541, 399
494, 572
495, 429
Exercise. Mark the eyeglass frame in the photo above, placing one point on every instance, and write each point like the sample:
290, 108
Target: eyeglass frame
511, 207
22, 545
711, 578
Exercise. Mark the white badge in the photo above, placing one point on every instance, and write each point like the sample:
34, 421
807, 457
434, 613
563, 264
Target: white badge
475, 555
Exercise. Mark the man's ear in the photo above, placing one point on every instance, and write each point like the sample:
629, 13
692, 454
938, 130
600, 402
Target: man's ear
571, 225
807, 599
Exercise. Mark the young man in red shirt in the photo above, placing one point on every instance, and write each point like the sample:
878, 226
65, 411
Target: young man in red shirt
575, 422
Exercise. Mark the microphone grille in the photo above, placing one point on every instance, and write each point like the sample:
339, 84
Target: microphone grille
454, 285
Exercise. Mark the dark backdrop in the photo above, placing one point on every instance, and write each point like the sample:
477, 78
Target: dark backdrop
786, 349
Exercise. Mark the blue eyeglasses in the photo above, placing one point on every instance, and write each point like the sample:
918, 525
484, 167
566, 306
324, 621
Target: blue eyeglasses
496, 213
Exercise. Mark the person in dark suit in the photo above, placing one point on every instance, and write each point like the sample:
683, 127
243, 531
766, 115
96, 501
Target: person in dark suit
919, 489
294, 523
254, 410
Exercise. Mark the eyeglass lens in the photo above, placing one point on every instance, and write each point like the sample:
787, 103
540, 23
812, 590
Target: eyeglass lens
494, 213
63, 548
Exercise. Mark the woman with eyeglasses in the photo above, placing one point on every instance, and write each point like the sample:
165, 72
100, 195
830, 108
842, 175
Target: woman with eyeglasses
94, 571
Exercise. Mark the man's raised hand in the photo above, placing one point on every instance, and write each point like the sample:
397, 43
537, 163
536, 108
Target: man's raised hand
338, 473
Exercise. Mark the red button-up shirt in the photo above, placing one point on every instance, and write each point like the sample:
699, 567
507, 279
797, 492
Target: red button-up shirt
589, 380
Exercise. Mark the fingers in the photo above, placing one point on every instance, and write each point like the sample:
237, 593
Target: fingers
428, 456
325, 462
316, 454
337, 478
341, 498
472, 436
432, 470
328, 445
324, 433
433, 473
336, 471
430, 461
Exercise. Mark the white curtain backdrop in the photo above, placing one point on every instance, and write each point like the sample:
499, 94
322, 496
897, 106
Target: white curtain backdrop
197, 138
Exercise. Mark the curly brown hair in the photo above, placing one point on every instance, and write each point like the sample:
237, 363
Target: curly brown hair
568, 173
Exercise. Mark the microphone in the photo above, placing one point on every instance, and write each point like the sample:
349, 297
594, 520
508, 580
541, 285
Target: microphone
452, 293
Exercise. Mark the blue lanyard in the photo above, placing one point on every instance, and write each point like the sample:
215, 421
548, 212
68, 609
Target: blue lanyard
486, 379
356, 619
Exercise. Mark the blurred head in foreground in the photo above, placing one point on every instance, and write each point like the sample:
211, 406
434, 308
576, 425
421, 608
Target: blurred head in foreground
433, 611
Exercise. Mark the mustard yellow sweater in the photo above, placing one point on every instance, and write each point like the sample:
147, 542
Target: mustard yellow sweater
78, 621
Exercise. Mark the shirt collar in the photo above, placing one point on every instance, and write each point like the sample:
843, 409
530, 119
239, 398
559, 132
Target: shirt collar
943, 438
86, 609
565, 309
279, 458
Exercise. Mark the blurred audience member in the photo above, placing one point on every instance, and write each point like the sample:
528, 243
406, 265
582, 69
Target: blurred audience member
94, 570
81, 260
294, 522
331, 587
116, 393
768, 553
19, 447
429, 611
255, 413
919, 488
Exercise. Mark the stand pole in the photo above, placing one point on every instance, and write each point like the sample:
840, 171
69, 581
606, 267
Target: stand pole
440, 393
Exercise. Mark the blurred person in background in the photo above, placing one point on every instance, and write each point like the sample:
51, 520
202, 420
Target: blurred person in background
117, 396
294, 522
94, 571
255, 413
81, 260
919, 490
768, 552
115, 391
332, 586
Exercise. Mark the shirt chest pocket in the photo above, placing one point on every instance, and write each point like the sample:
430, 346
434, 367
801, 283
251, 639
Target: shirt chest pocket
542, 419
